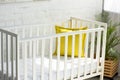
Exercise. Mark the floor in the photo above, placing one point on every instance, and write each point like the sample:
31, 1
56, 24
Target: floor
97, 78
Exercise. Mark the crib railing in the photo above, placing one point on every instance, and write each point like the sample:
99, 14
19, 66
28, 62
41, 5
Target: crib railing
8, 55
77, 22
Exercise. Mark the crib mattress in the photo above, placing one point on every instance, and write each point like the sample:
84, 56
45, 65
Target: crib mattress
89, 66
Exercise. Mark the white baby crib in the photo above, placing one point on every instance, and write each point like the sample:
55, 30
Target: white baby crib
27, 52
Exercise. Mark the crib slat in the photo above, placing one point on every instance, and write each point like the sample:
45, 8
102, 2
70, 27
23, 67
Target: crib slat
23, 57
25, 60
38, 31
30, 43
81, 23
9, 53
17, 58
44, 31
12, 59
2, 53
65, 60
23, 32
30, 49
50, 57
76, 23
72, 64
70, 23
42, 59
34, 58
98, 49
30, 32
37, 47
79, 53
58, 58
92, 49
86, 52
7, 57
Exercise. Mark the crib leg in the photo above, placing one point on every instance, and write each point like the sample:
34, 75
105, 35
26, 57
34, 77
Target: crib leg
101, 77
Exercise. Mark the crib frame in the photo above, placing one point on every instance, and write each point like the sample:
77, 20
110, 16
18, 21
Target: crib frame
101, 29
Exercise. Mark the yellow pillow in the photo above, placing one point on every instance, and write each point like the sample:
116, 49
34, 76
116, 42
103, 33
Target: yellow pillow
62, 41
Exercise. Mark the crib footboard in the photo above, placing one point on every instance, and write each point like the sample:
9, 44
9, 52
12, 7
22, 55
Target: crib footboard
8, 55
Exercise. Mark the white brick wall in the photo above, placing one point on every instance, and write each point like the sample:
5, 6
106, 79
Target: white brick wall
47, 12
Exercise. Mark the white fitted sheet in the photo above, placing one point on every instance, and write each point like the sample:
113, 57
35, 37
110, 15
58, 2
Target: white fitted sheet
83, 68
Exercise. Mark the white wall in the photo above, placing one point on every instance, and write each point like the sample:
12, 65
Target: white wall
47, 12
112, 6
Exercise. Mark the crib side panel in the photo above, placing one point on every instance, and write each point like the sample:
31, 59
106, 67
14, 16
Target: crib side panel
8, 55
56, 63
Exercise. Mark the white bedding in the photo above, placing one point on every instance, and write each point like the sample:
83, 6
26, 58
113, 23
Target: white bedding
54, 70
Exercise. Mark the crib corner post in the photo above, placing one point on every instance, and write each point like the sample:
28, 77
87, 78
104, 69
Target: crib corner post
17, 57
103, 50
101, 76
